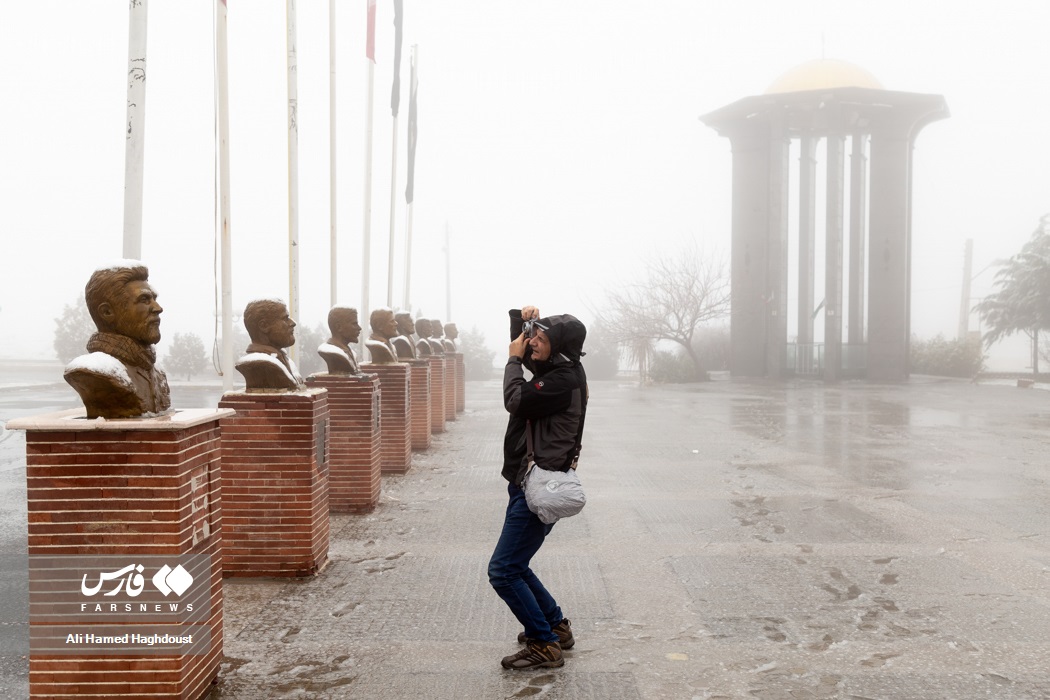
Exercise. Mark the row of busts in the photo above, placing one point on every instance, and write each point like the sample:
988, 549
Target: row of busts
394, 337
118, 377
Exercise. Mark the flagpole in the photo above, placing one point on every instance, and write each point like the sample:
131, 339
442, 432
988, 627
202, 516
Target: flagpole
410, 186
224, 197
366, 252
333, 246
408, 257
448, 275
293, 171
393, 202
395, 103
136, 130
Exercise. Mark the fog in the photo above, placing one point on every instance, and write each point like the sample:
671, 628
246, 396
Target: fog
559, 145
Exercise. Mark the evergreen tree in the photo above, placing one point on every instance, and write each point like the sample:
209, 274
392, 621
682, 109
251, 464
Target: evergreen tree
477, 357
72, 331
1021, 301
186, 356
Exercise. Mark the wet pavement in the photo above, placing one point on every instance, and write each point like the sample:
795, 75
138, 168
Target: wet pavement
741, 540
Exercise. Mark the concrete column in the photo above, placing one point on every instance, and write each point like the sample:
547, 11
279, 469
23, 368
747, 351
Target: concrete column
807, 226
777, 241
888, 265
858, 222
833, 257
749, 254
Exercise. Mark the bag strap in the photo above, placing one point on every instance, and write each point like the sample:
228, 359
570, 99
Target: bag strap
528, 442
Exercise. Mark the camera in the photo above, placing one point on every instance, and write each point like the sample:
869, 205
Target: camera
530, 327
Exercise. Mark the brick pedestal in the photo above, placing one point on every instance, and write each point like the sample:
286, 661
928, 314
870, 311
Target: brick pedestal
419, 373
124, 498
395, 421
275, 483
437, 393
461, 386
450, 386
353, 440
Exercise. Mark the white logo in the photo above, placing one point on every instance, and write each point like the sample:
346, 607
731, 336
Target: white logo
552, 486
167, 580
134, 581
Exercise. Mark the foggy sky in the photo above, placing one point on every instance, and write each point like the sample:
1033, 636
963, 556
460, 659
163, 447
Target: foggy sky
559, 142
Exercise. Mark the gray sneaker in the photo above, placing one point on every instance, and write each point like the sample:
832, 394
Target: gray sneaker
564, 631
535, 655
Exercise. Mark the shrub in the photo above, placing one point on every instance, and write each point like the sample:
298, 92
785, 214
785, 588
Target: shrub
602, 360
672, 368
947, 358
477, 357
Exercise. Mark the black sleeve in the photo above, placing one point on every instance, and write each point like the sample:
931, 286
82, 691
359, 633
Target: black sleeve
516, 322
542, 396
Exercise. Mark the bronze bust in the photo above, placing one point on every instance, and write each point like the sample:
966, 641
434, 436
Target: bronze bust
436, 345
423, 348
402, 342
384, 327
119, 377
265, 365
451, 333
338, 352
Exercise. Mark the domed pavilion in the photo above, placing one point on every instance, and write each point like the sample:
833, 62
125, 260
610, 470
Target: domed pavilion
816, 110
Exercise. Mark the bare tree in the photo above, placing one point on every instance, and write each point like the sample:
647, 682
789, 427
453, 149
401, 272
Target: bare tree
680, 292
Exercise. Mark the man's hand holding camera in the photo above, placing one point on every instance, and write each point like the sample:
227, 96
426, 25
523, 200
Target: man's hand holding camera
519, 344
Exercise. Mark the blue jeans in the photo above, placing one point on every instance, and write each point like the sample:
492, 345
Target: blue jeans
510, 575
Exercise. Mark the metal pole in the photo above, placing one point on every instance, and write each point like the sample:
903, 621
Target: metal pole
410, 188
448, 275
393, 202
964, 307
333, 247
293, 173
136, 130
366, 237
407, 301
224, 197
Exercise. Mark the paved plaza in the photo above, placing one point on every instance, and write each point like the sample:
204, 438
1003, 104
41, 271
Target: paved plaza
743, 539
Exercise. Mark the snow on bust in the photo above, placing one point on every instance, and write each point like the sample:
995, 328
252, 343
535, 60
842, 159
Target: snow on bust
266, 372
328, 348
102, 364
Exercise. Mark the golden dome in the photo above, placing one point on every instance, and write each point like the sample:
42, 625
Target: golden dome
823, 74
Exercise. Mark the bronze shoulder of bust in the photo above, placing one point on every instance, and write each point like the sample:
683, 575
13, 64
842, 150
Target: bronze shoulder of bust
380, 352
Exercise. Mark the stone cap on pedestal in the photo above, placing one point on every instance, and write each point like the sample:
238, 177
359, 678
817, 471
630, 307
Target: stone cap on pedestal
308, 392
360, 376
75, 419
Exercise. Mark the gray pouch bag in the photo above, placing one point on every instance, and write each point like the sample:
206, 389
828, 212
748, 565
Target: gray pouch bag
552, 495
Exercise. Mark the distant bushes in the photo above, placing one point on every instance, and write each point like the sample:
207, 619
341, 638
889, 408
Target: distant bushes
947, 358
669, 367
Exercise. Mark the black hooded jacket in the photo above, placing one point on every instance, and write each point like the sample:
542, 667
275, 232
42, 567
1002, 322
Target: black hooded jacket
554, 401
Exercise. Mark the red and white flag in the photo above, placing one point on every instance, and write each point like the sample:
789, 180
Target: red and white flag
370, 41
